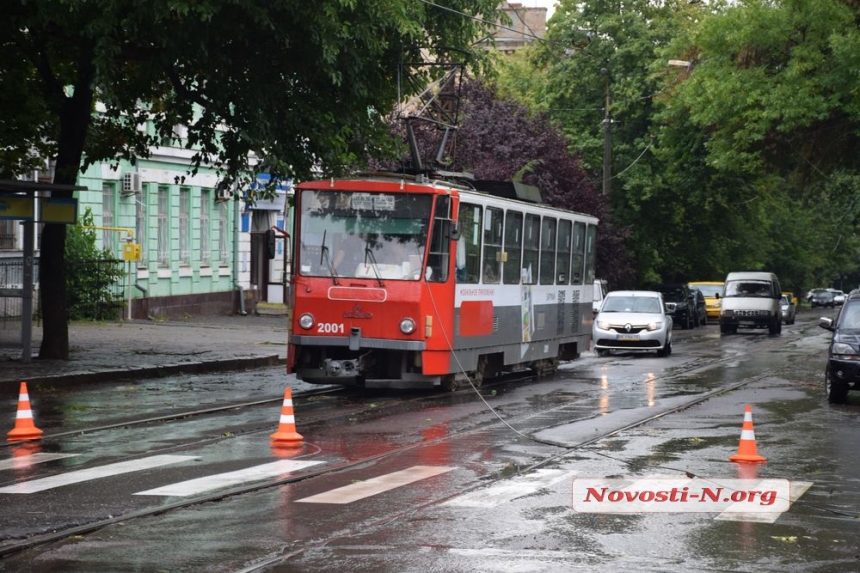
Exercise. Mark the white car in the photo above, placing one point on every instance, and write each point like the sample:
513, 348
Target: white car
838, 296
789, 311
632, 320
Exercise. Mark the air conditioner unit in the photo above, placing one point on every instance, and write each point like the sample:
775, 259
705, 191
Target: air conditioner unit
130, 183
223, 195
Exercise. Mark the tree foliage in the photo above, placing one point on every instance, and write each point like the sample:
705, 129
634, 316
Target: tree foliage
741, 160
92, 275
500, 139
295, 85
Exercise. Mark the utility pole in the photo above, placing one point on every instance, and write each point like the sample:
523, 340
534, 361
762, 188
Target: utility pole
607, 140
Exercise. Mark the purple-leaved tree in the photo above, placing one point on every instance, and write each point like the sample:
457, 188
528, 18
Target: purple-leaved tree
500, 139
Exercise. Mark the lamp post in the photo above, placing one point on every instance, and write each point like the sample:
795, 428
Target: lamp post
607, 139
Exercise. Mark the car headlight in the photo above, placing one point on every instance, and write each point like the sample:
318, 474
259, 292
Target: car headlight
407, 326
652, 326
603, 324
844, 349
306, 321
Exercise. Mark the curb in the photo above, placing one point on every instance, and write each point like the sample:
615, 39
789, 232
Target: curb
134, 373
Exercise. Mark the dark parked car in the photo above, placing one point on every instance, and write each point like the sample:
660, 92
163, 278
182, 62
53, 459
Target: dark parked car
701, 307
842, 372
680, 304
823, 298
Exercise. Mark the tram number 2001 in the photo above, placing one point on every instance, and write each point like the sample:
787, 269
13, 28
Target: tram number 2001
330, 328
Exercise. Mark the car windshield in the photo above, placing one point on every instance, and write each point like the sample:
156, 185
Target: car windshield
709, 290
824, 294
674, 294
642, 304
850, 317
748, 288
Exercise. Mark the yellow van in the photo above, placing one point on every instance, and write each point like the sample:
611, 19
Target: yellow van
710, 289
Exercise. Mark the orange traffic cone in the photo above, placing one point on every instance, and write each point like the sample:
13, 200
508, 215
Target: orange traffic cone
24, 428
746, 449
286, 433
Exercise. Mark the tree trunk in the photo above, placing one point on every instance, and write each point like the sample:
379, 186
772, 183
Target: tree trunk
75, 117
52, 282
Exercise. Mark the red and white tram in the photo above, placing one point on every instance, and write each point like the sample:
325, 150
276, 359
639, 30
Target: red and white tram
404, 281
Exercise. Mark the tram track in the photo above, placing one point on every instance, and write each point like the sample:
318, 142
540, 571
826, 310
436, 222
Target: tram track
370, 409
431, 400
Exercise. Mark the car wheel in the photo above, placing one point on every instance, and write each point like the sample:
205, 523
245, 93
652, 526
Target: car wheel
666, 350
835, 390
602, 352
775, 327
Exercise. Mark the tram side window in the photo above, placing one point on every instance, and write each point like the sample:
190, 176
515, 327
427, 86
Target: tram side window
531, 249
439, 255
511, 269
562, 256
492, 246
578, 254
469, 245
590, 253
547, 251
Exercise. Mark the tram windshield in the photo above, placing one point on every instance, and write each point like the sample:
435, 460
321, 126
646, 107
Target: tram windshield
361, 234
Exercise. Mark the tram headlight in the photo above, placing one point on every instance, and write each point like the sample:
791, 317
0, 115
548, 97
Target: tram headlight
306, 321
407, 326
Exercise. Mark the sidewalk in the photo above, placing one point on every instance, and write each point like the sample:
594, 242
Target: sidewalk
141, 349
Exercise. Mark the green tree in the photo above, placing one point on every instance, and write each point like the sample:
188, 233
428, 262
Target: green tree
92, 274
296, 84
769, 105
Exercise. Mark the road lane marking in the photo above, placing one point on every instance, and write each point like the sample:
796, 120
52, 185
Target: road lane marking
797, 489
511, 489
377, 485
217, 481
31, 460
108, 470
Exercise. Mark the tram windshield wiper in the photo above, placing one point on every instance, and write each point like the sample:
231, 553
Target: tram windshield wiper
324, 256
369, 256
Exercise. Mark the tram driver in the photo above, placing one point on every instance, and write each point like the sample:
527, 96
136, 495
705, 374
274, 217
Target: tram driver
349, 254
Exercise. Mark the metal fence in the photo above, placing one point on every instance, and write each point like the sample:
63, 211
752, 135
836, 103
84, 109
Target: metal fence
95, 289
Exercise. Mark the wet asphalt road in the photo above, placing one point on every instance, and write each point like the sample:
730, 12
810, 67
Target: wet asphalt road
501, 500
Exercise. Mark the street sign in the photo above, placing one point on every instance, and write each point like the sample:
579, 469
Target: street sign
58, 210
16, 207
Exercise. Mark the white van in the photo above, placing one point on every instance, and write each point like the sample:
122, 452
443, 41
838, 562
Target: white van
601, 287
751, 299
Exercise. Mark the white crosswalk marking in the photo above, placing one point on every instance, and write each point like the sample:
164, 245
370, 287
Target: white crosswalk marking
31, 460
200, 485
108, 470
374, 486
511, 489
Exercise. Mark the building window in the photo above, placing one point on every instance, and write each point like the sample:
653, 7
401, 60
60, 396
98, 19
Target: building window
108, 220
222, 232
163, 227
184, 222
205, 244
8, 235
140, 224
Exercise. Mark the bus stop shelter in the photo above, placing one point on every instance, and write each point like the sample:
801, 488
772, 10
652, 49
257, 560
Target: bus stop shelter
32, 203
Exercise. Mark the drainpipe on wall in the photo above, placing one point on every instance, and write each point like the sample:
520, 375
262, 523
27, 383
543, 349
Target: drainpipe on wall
237, 229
